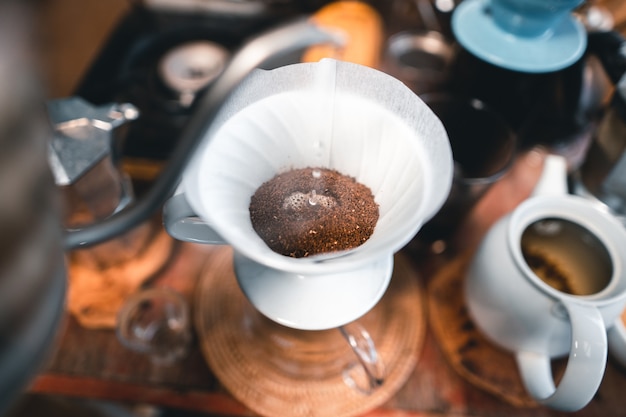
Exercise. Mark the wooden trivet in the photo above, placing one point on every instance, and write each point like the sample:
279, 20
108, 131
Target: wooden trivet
97, 292
397, 324
472, 356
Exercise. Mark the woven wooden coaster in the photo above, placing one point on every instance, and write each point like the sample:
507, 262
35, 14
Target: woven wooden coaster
97, 292
397, 324
475, 358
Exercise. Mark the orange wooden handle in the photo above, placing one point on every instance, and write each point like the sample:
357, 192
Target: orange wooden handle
362, 26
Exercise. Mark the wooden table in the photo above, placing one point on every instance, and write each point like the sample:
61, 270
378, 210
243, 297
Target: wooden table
92, 363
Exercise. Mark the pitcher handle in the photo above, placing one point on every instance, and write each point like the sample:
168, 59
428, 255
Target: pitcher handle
363, 347
617, 341
585, 365
182, 223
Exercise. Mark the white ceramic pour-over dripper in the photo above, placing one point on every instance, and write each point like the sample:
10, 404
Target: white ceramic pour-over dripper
337, 115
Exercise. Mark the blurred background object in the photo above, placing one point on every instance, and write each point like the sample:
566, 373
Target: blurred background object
484, 148
70, 35
32, 270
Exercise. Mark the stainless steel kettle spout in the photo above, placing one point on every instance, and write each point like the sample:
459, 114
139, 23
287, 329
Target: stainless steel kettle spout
285, 39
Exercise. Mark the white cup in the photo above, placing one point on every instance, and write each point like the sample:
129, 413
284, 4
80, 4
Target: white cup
520, 312
331, 114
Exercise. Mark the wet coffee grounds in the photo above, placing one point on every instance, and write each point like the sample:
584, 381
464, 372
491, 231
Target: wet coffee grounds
304, 212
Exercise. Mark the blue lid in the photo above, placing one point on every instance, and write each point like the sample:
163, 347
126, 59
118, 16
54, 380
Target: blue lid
478, 32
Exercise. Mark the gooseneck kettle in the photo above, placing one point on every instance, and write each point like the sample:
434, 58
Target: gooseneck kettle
290, 37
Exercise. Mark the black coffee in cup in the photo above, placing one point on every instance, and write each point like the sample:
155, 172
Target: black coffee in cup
567, 256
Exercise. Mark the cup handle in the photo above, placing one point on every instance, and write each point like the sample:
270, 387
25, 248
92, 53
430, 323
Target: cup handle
182, 223
585, 365
370, 363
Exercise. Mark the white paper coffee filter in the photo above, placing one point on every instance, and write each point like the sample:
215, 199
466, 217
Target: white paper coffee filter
356, 120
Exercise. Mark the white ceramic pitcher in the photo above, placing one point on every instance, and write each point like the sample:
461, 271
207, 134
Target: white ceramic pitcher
520, 312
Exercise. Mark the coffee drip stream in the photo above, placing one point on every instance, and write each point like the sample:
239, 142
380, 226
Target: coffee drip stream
601, 176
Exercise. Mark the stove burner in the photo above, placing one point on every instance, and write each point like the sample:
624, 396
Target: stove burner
163, 61
191, 67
